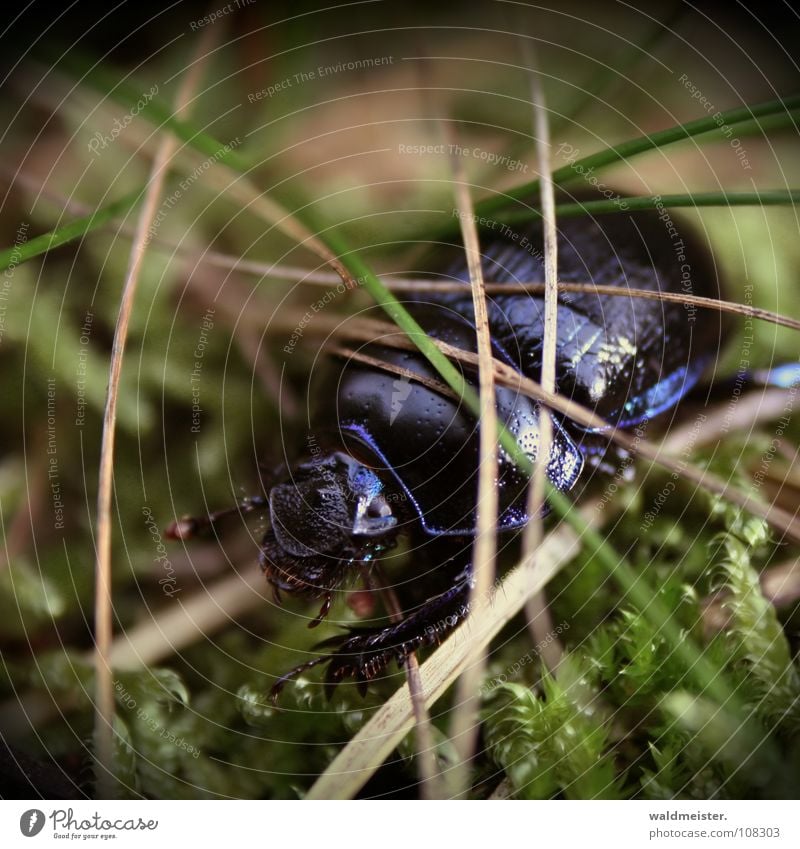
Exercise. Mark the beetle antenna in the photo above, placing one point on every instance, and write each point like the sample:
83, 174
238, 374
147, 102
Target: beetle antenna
190, 526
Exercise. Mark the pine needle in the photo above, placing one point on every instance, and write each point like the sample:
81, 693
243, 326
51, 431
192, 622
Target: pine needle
464, 724
536, 609
104, 716
625, 151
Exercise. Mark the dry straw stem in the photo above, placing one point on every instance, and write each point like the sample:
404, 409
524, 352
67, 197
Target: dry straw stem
104, 707
315, 277
536, 609
368, 749
431, 784
403, 284
398, 284
752, 409
407, 374
464, 725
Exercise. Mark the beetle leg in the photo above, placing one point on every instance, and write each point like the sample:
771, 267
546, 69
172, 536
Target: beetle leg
323, 611
278, 686
365, 654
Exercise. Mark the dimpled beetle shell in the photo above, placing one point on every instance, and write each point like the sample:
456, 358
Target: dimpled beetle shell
626, 359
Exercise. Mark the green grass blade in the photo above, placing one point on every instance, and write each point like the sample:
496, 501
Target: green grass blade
769, 124
710, 126
68, 233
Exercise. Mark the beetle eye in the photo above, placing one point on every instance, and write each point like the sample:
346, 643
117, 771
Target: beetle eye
374, 518
378, 508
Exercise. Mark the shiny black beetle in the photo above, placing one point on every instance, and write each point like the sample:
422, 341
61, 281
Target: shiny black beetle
394, 456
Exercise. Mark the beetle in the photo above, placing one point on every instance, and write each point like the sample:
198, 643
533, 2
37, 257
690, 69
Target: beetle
399, 457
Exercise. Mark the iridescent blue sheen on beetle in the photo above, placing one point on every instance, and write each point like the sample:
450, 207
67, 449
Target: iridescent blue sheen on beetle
397, 456
627, 359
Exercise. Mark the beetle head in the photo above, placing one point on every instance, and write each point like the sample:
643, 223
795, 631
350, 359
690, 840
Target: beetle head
331, 515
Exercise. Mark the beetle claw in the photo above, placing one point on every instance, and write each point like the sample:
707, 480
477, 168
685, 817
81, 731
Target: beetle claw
278, 686
364, 654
